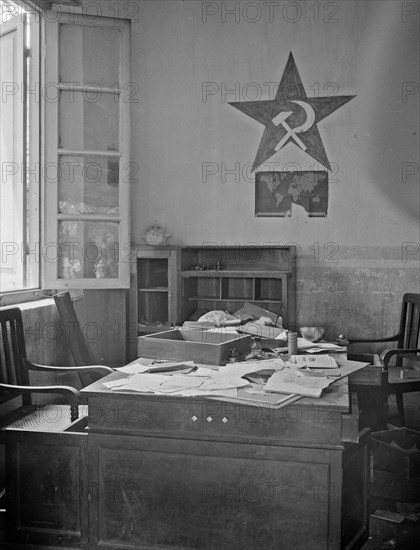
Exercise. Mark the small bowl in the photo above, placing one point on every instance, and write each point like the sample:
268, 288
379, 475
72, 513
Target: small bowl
313, 334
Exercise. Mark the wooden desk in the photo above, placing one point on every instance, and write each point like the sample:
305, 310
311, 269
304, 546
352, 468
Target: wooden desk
192, 473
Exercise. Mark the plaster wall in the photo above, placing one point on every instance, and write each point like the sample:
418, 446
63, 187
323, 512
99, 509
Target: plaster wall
194, 151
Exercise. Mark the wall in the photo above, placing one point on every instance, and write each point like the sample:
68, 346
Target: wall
355, 263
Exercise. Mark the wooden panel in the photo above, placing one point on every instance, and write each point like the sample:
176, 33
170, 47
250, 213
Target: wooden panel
217, 420
355, 510
102, 317
46, 487
208, 287
166, 494
266, 289
235, 288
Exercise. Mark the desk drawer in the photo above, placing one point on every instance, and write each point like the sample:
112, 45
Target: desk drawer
211, 419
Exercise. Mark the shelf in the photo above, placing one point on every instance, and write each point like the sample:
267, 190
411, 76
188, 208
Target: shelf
264, 276
233, 299
197, 273
154, 289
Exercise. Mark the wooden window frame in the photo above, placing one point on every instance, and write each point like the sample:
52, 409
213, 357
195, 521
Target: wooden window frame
26, 240
52, 151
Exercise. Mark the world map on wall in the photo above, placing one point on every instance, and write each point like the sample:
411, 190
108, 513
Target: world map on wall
275, 192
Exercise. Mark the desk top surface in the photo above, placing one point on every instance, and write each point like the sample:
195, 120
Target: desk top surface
336, 395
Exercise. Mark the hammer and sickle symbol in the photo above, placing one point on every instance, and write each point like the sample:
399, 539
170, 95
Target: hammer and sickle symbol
292, 132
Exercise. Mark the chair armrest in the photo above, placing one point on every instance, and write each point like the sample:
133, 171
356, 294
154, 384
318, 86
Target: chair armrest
95, 369
71, 394
357, 340
388, 353
87, 375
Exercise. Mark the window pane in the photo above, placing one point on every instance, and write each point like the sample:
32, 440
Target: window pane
88, 185
89, 121
86, 250
89, 55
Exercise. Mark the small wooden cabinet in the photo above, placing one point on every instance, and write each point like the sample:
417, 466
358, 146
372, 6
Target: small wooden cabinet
155, 288
226, 277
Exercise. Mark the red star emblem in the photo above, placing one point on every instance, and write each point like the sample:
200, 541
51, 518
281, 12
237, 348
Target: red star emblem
291, 117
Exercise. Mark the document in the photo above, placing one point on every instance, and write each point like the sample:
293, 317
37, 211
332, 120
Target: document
152, 365
314, 361
295, 381
325, 346
143, 382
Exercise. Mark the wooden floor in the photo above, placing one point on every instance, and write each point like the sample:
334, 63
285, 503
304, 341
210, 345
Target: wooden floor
383, 535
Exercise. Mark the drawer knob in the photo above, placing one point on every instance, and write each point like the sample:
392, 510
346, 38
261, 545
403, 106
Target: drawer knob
194, 418
209, 419
225, 420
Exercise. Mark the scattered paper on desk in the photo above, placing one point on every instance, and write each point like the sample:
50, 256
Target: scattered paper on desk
181, 381
322, 347
224, 329
202, 371
263, 331
302, 343
171, 366
151, 365
231, 393
134, 368
116, 383
249, 367
291, 381
224, 382
267, 400
314, 362
142, 382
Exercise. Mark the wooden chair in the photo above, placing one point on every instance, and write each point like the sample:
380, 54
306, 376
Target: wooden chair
401, 363
15, 383
45, 446
71, 329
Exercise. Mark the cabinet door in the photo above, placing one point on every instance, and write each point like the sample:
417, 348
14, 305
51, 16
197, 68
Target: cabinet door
154, 292
46, 487
167, 493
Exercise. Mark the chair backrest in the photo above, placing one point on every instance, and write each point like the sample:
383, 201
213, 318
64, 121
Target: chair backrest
410, 322
12, 351
71, 329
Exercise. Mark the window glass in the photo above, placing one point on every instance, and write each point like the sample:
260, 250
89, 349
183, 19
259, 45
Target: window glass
89, 120
88, 184
19, 148
85, 250
95, 55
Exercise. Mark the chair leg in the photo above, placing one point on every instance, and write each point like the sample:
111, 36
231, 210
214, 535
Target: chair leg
74, 412
400, 407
